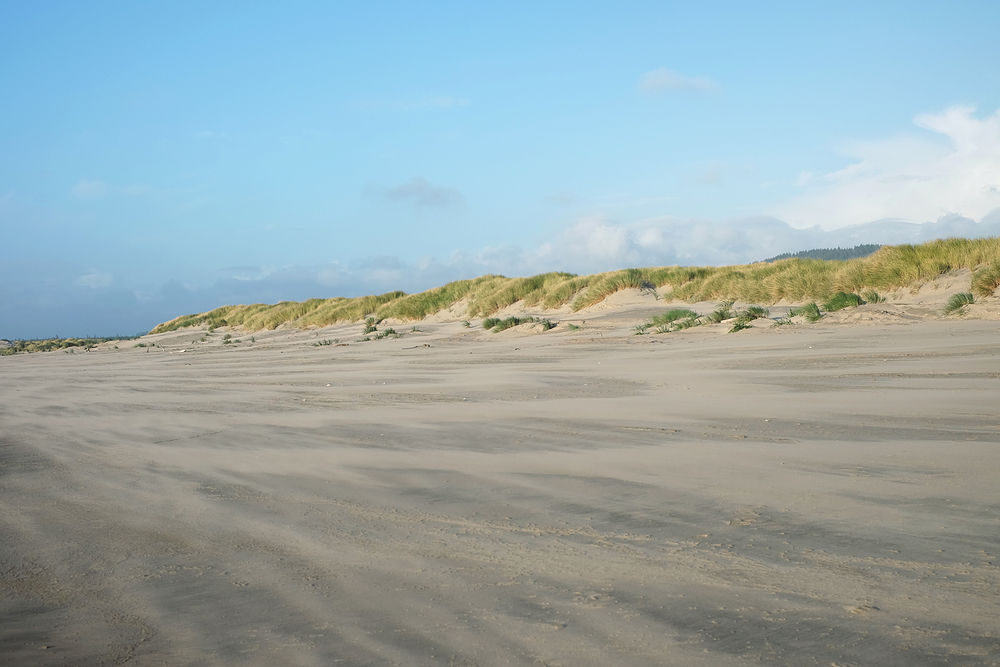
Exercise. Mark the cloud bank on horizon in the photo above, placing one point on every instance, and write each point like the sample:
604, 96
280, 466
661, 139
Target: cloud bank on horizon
202, 166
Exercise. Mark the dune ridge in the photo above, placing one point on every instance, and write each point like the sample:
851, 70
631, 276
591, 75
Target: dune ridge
792, 280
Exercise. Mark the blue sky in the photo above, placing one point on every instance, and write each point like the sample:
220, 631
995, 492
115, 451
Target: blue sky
164, 158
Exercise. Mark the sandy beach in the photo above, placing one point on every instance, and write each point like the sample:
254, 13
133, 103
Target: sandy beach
812, 494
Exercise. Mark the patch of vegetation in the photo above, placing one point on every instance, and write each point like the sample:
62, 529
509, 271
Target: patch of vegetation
573, 327
227, 339
322, 343
871, 296
838, 253
672, 316
615, 281
466, 324
958, 302
503, 325
810, 311
370, 326
29, 345
723, 312
672, 320
547, 324
986, 280
748, 315
842, 300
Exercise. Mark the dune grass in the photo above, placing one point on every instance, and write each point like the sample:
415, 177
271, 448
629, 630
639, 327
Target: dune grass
496, 325
986, 280
958, 302
794, 280
842, 300
810, 311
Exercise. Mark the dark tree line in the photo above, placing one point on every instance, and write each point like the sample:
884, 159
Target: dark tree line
862, 250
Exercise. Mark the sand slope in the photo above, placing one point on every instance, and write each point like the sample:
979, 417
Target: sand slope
813, 494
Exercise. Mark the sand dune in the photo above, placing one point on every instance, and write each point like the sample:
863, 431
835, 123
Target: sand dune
810, 494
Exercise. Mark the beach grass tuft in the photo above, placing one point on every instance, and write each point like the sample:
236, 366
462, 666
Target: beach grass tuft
958, 302
871, 296
842, 300
810, 311
748, 315
986, 280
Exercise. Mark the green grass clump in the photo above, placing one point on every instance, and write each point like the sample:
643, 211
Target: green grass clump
986, 280
959, 301
502, 325
672, 316
871, 296
370, 326
748, 315
842, 300
491, 322
723, 312
672, 320
810, 311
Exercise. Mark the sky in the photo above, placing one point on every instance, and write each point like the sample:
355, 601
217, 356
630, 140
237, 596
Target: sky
159, 159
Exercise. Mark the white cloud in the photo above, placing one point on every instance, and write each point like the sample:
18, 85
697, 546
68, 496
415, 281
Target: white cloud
95, 280
89, 189
419, 192
663, 80
908, 178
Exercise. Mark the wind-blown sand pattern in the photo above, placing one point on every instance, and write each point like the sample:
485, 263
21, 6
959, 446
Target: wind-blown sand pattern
810, 494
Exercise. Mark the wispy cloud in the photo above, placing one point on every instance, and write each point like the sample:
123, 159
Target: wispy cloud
95, 280
89, 189
663, 80
913, 178
562, 198
419, 192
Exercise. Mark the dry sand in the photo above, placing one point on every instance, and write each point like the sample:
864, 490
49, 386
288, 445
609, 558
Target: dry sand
806, 495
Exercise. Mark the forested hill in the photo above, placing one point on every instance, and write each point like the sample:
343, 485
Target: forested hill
862, 250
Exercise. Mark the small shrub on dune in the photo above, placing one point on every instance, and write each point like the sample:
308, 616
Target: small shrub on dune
491, 322
986, 280
842, 300
959, 301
